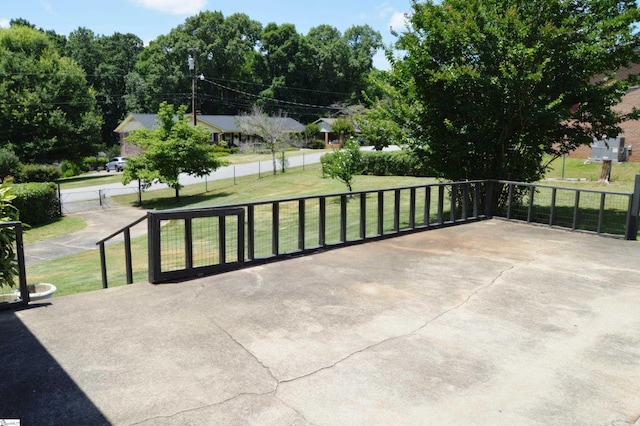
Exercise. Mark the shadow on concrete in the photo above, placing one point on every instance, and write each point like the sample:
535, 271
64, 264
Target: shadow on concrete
38, 383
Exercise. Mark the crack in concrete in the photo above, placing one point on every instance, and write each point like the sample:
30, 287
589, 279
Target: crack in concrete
333, 365
403, 336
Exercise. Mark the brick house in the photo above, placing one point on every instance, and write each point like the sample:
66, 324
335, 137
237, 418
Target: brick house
221, 127
631, 128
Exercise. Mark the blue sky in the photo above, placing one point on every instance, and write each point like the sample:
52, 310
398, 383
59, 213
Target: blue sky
150, 18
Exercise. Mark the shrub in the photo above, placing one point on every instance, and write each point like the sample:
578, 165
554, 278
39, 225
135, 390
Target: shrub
71, 168
8, 264
38, 203
38, 173
315, 144
94, 163
392, 163
9, 164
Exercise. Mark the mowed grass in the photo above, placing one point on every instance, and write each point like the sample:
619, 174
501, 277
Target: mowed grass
80, 273
622, 175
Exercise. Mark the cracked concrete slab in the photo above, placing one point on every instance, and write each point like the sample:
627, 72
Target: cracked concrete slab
486, 323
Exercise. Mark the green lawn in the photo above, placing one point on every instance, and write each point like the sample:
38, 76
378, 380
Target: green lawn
79, 273
622, 175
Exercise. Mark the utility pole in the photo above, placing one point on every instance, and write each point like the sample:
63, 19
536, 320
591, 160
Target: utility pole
193, 66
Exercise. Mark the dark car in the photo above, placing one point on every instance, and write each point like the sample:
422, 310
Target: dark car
117, 164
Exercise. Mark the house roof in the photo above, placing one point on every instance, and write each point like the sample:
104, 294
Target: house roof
218, 123
325, 124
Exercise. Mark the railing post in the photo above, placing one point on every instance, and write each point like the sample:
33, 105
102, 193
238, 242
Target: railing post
127, 255
22, 270
632, 222
301, 224
363, 215
343, 218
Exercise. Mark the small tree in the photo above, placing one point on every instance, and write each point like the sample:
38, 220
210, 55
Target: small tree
173, 148
273, 131
9, 164
343, 128
310, 131
344, 164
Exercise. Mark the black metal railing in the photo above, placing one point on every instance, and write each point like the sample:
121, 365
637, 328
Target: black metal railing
18, 251
185, 243
584, 210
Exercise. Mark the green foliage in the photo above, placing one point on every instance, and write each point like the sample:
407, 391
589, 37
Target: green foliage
173, 148
95, 163
72, 168
38, 173
8, 264
392, 163
486, 88
9, 164
38, 203
343, 128
47, 112
344, 164
311, 130
315, 144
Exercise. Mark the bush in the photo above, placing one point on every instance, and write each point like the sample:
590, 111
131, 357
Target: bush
392, 163
94, 163
37, 203
8, 264
315, 144
9, 164
71, 168
38, 173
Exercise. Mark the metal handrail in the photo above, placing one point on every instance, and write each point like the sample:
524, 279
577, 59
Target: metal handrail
127, 250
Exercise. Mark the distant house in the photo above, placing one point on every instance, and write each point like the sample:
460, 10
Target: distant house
631, 128
221, 127
326, 132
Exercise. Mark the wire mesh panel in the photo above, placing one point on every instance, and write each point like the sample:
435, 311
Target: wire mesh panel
187, 243
332, 220
263, 235
172, 245
288, 226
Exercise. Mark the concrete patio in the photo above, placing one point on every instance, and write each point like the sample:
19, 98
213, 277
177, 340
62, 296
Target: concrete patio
489, 323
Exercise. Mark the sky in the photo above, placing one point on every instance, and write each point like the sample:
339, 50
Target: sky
150, 18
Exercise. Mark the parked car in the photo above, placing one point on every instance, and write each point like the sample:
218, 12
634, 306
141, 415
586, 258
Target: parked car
117, 164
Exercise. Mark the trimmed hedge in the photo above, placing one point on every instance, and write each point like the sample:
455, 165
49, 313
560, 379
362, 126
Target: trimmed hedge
392, 163
37, 173
315, 144
38, 203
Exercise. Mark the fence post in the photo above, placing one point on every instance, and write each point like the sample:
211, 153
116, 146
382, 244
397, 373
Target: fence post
632, 222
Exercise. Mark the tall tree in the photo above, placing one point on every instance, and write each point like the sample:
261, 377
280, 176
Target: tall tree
487, 87
225, 49
48, 110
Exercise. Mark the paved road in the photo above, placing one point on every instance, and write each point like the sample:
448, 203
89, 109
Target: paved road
226, 172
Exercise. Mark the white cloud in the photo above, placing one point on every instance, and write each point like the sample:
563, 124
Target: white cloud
4, 23
175, 7
383, 10
398, 21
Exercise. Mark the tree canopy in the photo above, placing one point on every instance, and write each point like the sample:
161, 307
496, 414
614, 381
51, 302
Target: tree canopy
486, 88
48, 109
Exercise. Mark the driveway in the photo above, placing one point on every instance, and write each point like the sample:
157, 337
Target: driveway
490, 323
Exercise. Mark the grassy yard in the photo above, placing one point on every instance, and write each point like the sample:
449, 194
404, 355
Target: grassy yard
81, 272
622, 175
